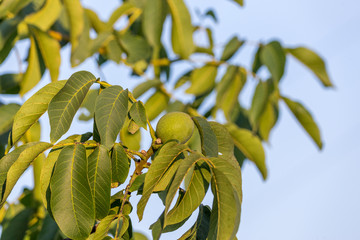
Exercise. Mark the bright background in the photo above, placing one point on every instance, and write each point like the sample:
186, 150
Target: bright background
309, 194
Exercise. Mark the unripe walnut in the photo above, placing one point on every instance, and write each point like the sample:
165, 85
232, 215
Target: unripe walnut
175, 125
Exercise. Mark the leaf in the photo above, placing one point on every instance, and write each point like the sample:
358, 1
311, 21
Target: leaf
201, 227
135, 46
7, 113
257, 64
209, 144
83, 49
7, 29
103, 227
125, 8
145, 86
240, 2
89, 105
49, 229
313, 61
167, 177
250, 145
138, 114
47, 16
99, 174
162, 162
182, 29
120, 164
10, 83
139, 236
71, 199
231, 48
47, 171
259, 101
16, 228
153, 19
33, 108
50, 51
305, 119
226, 210
131, 141
14, 164
273, 57
67, 101
110, 113
156, 104
195, 192
76, 17
210, 13
224, 140
268, 119
202, 80
33, 72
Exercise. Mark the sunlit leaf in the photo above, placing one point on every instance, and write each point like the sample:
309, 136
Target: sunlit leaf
182, 30
162, 162
202, 80
131, 141
110, 113
250, 145
67, 101
313, 61
46, 17
156, 104
71, 199
137, 113
145, 86
103, 227
268, 119
82, 51
99, 173
273, 57
305, 119
50, 51
259, 101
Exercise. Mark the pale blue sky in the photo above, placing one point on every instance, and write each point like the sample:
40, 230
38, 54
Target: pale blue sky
309, 194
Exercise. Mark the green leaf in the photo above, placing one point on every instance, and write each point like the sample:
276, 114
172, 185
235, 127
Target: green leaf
305, 119
268, 119
167, 177
67, 101
7, 113
201, 227
135, 46
103, 227
83, 49
145, 86
50, 51
76, 18
49, 229
46, 173
224, 140
229, 88
226, 210
257, 64
89, 105
71, 199
259, 101
7, 29
313, 61
153, 19
156, 104
47, 16
14, 164
33, 108
182, 29
195, 191
209, 144
16, 229
139, 236
273, 57
125, 8
33, 72
138, 114
131, 141
120, 164
99, 173
162, 162
202, 80
110, 113
250, 145
240, 2
210, 13
10, 83
231, 48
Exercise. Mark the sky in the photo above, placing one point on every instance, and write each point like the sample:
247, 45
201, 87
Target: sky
309, 194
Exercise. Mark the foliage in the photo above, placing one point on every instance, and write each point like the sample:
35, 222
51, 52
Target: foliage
74, 174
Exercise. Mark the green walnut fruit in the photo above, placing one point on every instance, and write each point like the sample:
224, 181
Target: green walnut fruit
175, 125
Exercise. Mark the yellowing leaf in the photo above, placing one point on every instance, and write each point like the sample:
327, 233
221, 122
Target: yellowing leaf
46, 17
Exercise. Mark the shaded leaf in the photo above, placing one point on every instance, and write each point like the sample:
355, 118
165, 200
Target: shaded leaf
16, 229
257, 61
10, 83
145, 86
273, 57
49, 229
120, 164
99, 174
131, 141
7, 113
135, 46
162, 162
305, 119
202, 80
313, 61
224, 140
250, 145
259, 101
201, 227
209, 144
231, 48
83, 49
71, 199
138, 114
67, 101
89, 105
110, 113
182, 30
